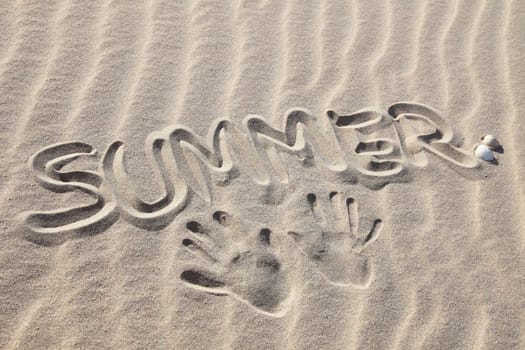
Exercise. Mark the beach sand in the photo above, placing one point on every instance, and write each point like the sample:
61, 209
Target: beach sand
261, 175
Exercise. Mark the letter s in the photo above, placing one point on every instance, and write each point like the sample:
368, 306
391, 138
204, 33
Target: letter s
55, 226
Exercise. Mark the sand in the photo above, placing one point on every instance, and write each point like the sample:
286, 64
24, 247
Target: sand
261, 175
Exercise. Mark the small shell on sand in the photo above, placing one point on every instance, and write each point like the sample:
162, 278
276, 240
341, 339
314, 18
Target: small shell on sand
484, 153
490, 141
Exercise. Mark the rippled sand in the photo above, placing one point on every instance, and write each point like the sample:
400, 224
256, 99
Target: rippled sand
181, 210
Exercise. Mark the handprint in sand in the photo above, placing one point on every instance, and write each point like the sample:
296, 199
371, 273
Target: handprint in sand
237, 263
336, 246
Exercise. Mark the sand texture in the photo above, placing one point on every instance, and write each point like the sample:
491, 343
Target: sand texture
262, 174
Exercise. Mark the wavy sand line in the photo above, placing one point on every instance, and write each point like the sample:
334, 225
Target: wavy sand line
33, 94
89, 79
347, 50
137, 73
154, 89
72, 130
405, 312
495, 102
7, 18
116, 52
334, 25
422, 14
253, 50
169, 296
238, 42
375, 61
119, 248
37, 93
443, 50
23, 56
285, 56
434, 30
38, 117
197, 100
356, 85
515, 130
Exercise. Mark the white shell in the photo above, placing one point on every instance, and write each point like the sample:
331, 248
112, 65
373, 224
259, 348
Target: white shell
491, 141
484, 153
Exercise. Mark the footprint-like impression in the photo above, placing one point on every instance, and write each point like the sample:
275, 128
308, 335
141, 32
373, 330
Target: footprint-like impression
337, 247
242, 265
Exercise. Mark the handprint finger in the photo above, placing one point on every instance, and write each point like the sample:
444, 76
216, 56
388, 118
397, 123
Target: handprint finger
352, 213
201, 253
264, 236
201, 278
340, 216
199, 232
314, 208
226, 220
194, 226
222, 218
372, 234
295, 235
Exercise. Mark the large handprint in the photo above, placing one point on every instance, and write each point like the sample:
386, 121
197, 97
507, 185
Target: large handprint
336, 247
236, 263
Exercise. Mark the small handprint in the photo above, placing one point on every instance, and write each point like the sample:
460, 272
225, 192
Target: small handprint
337, 248
245, 267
